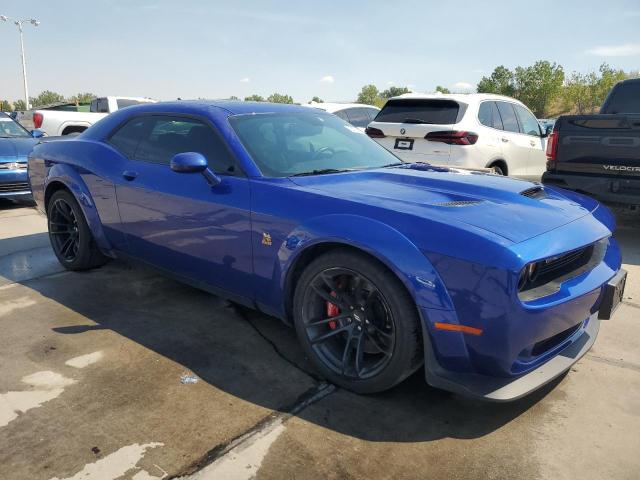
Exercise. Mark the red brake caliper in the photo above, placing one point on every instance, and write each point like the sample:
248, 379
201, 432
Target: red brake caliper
332, 311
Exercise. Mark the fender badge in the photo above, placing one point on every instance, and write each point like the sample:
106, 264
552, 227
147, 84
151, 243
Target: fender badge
266, 239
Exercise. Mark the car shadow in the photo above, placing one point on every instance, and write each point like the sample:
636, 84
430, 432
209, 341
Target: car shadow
257, 358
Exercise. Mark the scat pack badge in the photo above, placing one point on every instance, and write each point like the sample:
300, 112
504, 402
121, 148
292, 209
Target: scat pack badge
266, 239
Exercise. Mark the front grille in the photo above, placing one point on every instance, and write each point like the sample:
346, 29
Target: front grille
535, 192
14, 187
552, 272
567, 262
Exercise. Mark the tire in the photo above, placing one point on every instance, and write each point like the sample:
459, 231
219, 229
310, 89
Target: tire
498, 169
365, 349
69, 234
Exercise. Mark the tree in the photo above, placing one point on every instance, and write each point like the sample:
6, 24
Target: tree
19, 105
394, 92
539, 85
585, 93
500, 82
369, 95
442, 89
82, 98
46, 98
5, 106
279, 98
254, 98
317, 100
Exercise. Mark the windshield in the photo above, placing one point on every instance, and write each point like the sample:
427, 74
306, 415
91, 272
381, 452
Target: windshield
289, 144
10, 129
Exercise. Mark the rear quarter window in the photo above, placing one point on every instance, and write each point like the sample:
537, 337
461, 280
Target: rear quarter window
439, 112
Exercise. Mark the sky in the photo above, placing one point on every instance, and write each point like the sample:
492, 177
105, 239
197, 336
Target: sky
166, 49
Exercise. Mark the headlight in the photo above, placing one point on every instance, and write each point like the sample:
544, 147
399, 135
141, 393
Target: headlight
528, 275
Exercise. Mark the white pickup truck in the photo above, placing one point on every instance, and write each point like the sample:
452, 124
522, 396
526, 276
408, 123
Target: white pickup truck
56, 122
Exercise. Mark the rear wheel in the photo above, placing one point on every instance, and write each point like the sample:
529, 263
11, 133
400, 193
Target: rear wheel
69, 234
356, 322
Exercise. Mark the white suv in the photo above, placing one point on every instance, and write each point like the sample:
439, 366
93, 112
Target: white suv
467, 130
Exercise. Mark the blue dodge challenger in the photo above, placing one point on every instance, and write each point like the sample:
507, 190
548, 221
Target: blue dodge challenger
495, 285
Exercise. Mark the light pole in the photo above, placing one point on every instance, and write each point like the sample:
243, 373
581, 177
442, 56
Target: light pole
19, 23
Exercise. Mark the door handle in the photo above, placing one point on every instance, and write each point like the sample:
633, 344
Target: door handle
504, 139
532, 143
129, 175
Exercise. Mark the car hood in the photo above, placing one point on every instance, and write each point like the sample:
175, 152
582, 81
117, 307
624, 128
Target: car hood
16, 149
514, 209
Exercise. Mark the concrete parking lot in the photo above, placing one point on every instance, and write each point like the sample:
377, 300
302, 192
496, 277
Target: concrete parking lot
96, 373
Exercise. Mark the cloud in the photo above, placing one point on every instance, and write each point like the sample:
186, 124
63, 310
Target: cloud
245, 80
462, 86
625, 50
327, 79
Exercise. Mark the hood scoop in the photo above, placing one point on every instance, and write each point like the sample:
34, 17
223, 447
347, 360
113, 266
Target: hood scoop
458, 203
536, 192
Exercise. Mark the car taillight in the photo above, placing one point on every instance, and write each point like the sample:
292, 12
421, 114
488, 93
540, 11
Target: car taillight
374, 132
552, 150
453, 137
37, 120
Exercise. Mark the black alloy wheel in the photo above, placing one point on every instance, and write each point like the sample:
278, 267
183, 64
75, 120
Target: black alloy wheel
348, 323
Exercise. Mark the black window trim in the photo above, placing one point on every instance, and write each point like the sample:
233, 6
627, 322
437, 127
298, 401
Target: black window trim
204, 120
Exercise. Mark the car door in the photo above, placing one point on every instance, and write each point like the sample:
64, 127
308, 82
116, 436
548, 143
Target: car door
515, 145
530, 127
178, 221
489, 144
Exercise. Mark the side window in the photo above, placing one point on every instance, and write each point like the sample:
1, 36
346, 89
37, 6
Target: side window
528, 122
127, 137
103, 105
372, 113
508, 116
358, 117
489, 116
93, 106
342, 114
485, 114
156, 139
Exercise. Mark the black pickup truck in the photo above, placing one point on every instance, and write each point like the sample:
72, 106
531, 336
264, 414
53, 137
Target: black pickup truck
599, 155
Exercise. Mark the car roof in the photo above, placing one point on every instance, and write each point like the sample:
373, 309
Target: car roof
336, 106
467, 98
233, 107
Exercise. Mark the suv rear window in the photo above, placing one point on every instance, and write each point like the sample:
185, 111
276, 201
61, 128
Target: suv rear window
440, 112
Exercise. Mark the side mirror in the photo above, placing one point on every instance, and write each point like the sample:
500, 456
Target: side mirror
192, 162
37, 133
548, 130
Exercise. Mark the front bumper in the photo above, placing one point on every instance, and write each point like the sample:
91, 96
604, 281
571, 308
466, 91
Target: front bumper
504, 389
614, 190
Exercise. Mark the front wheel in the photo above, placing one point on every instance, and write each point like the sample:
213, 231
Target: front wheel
356, 322
69, 234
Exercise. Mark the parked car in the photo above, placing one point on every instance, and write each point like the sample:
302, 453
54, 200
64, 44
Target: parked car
357, 114
600, 154
15, 145
463, 130
25, 118
495, 285
56, 122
